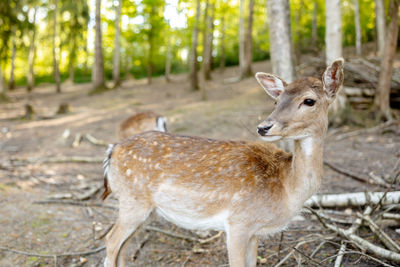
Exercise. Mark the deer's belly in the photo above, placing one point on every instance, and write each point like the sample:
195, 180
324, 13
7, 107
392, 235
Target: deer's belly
192, 220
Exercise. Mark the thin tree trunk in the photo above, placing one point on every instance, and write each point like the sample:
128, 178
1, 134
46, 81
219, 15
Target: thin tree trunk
11, 82
72, 57
280, 39
380, 25
333, 44
314, 27
333, 34
248, 48
194, 81
3, 95
168, 59
382, 97
222, 45
298, 45
117, 46
151, 47
208, 39
242, 33
98, 75
358, 27
31, 56
56, 71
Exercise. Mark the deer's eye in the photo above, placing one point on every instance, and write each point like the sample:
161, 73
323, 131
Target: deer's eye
309, 102
275, 103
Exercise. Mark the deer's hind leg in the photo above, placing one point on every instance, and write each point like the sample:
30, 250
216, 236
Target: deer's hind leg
132, 214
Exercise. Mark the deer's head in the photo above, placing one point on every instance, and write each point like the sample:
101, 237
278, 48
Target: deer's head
302, 106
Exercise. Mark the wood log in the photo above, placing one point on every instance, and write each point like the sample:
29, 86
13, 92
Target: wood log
353, 199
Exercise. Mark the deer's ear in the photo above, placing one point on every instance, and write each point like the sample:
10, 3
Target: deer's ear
272, 84
333, 78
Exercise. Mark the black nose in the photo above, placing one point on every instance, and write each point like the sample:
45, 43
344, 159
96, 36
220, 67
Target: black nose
263, 130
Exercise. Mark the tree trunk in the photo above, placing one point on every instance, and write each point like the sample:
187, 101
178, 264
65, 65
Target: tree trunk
248, 45
98, 69
333, 35
280, 39
382, 97
194, 81
333, 44
358, 27
56, 71
208, 39
117, 46
168, 61
3, 95
380, 25
298, 33
151, 47
11, 82
72, 57
222, 45
242, 33
314, 27
31, 56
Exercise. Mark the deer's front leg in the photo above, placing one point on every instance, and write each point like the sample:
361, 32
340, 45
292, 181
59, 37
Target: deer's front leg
237, 242
251, 255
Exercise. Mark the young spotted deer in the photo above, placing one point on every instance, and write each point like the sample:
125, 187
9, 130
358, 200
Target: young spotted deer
245, 188
142, 122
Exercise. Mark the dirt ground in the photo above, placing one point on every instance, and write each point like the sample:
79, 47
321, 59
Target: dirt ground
232, 111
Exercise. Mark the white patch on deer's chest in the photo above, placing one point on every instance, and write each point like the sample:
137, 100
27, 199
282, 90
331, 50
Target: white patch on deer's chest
307, 145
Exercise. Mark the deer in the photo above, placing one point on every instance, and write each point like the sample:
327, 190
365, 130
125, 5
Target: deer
142, 122
249, 189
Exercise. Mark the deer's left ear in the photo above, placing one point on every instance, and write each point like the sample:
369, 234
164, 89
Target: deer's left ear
272, 84
333, 78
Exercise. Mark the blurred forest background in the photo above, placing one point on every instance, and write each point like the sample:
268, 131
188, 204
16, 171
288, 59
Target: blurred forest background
71, 71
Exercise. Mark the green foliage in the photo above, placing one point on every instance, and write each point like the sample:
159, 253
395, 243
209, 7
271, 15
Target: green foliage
147, 35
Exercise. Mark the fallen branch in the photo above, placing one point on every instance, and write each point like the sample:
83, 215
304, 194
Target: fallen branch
189, 238
95, 141
386, 240
353, 199
391, 216
72, 159
33, 254
381, 252
89, 193
75, 203
366, 131
375, 179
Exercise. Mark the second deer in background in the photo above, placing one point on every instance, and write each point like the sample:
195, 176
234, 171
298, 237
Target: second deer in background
142, 122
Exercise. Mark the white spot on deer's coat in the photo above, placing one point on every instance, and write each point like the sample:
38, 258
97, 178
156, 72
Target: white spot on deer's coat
128, 172
307, 146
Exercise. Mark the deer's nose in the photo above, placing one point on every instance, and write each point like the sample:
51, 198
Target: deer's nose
263, 130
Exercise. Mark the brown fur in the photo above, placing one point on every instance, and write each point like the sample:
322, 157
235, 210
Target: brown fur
140, 122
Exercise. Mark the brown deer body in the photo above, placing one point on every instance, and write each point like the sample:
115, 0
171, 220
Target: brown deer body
142, 122
244, 188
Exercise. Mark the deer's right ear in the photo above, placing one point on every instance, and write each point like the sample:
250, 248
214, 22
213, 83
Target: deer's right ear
272, 84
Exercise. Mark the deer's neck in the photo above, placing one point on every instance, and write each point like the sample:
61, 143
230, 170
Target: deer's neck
306, 169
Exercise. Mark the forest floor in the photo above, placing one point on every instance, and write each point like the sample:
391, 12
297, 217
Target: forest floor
232, 111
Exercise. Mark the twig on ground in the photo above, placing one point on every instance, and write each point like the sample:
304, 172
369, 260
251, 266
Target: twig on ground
72, 159
355, 176
189, 238
89, 193
366, 131
391, 216
75, 203
77, 140
340, 254
389, 243
93, 140
33, 254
